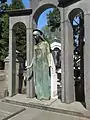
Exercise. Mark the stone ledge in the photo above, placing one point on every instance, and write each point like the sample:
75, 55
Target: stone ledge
47, 108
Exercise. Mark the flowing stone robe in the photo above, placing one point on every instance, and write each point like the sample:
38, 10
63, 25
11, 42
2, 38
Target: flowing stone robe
41, 70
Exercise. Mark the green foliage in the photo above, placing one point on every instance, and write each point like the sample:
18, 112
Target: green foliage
17, 4
20, 34
4, 33
50, 36
52, 29
53, 19
20, 31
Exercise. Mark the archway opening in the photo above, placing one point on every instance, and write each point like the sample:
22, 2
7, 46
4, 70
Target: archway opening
53, 37
76, 18
19, 39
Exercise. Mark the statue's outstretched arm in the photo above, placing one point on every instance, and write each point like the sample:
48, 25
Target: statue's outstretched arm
28, 67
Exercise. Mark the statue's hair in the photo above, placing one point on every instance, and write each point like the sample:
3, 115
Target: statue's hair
41, 33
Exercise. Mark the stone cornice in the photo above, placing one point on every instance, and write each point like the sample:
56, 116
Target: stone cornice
21, 12
65, 3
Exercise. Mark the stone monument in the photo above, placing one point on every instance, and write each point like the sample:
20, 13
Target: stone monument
30, 19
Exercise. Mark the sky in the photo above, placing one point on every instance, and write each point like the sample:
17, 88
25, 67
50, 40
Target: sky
26, 3
42, 19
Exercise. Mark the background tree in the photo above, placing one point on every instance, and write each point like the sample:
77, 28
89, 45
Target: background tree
20, 34
20, 31
17, 4
4, 32
51, 36
53, 19
52, 29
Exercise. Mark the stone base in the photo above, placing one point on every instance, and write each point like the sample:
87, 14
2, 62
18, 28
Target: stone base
54, 105
56, 97
24, 99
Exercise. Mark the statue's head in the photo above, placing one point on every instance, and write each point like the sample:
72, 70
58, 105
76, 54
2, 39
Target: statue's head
38, 35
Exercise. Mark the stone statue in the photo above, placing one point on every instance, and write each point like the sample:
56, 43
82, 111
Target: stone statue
41, 66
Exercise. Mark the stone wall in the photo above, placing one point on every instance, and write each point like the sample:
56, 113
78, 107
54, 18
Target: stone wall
3, 85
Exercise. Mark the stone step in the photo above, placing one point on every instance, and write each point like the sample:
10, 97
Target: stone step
44, 107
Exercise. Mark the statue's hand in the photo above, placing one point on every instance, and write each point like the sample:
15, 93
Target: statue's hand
30, 76
29, 66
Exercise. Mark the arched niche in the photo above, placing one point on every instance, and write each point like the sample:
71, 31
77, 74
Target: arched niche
16, 25
15, 20
66, 52
33, 24
55, 45
20, 48
16, 16
84, 6
76, 17
56, 59
41, 9
56, 68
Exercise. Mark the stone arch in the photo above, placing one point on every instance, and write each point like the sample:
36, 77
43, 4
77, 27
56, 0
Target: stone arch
33, 23
15, 17
20, 55
15, 20
16, 80
78, 30
83, 5
74, 12
15, 24
41, 9
55, 45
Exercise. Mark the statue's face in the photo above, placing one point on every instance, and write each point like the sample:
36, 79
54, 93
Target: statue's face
36, 36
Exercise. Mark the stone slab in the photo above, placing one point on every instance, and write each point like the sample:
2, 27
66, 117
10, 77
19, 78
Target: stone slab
75, 106
8, 110
3, 115
28, 114
36, 114
23, 98
56, 116
75, 109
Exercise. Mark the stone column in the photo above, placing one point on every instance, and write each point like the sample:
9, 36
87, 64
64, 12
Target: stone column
30, 82
87, 60
62, 54
67, 74
68, 68
12, 64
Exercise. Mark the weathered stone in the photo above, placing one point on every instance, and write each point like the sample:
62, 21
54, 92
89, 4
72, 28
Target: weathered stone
8, 110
